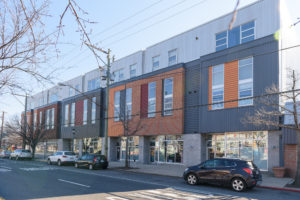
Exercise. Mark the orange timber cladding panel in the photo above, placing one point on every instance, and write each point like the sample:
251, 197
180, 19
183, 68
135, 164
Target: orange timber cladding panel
158, 125
231, 84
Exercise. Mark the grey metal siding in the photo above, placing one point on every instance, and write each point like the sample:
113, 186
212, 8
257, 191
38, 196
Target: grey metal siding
289, 136
265, 73
89, 129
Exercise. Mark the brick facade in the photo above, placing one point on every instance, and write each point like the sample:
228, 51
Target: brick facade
231, 83
290, 159
158, 125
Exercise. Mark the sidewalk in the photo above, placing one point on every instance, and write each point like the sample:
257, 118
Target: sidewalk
176, 170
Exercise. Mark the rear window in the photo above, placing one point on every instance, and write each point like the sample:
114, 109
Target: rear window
70, 153
26, 151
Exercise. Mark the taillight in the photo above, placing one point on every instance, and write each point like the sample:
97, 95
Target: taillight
95, 159
249, 171
64, 156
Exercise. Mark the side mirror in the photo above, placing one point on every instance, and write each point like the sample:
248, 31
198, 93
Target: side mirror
201, 167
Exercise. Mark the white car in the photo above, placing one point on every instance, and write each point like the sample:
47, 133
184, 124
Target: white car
20, 154
62, 157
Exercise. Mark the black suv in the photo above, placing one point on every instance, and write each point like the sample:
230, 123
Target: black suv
92, 161
239, 174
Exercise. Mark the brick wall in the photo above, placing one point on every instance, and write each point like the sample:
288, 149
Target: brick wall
290, 159
79, 113
158, 125
231, 83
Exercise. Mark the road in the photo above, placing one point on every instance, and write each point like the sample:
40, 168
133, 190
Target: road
37, 180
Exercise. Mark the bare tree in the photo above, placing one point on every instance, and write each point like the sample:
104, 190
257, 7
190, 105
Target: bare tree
273, 106
33, 135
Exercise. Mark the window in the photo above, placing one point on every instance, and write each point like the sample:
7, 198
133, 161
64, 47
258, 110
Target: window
34, 120
155, 63
217, 86
77, 89
93, 118
238, 35
71, 92
246, 81
85, 111
41, 118
72, 114
168, 96
128, 103
47, 119
53, 97
133, 148
221, 41
151, 99
66, 124
93, 84
117, 106
172, 57
132, 70
209, 164
52, 117
118, 75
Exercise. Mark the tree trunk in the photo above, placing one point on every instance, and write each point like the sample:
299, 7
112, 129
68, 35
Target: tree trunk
126, 156
297, 178
33, 151
23, 142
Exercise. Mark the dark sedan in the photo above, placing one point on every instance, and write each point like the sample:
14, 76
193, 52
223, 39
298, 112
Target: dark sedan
92, 161
239, 174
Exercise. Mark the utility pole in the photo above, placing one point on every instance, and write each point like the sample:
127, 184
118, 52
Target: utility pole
2, 129
107, 104
25, 123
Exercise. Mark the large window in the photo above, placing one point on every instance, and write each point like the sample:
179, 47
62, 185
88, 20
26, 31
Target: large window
237, 35
242, 145
77, 89
132, 70
166, 149
93, 118
117, 106
155, 63
128, 103
217, 87
85, 107
151, 99
47, 119
133, 148
72, 114
34, 120
93, 84
118, 75
66, 121
168, 96
71, 91
41, 118
172, 57
53, 97
246, 82
52, 117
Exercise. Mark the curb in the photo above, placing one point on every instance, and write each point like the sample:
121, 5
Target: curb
279, 188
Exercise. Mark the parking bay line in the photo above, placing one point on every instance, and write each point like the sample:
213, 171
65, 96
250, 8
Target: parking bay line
74, 183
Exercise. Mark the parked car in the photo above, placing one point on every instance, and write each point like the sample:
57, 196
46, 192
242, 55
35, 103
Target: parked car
92, 161
239, 174
4, 154
62, 157
20, 154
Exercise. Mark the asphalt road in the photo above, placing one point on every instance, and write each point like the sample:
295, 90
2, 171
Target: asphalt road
37, 180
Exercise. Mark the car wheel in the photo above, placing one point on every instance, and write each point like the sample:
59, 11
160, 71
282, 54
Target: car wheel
192, 179
104, 167
238, 184
10, 158
59, 163
76, 165
49, 162
91, 167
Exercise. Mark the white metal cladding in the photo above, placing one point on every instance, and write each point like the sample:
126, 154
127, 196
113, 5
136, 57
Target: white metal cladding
90, 76
126, 62
72, 83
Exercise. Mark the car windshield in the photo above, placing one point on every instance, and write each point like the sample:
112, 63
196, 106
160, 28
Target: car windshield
70, 153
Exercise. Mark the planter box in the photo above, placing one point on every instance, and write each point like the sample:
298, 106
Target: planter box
279, 172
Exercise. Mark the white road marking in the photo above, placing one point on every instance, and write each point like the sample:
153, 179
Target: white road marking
4, 170
4, 167
74, 183
38, 168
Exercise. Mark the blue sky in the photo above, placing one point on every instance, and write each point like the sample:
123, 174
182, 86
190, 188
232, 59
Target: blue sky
162, 19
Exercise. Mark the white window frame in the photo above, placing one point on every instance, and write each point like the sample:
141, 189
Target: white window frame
85, 111
153, 62
246, 81
152, 100
226, 37
169, 111
241, 31
170, 55
216, 87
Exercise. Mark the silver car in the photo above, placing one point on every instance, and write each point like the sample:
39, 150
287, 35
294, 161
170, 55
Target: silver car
5, 154
62, 157
20, 154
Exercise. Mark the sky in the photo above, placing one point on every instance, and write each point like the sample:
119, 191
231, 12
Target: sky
125, 27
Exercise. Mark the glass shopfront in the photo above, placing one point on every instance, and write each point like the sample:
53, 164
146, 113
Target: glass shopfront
92, 145
168, 149
243, 145
133, 148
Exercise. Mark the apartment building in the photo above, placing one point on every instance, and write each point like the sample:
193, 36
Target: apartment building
185, 99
